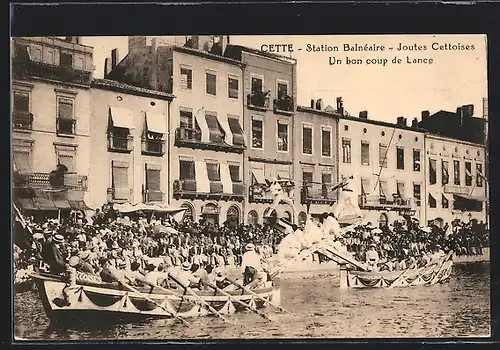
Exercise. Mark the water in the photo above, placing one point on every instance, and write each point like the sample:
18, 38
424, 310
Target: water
458, 308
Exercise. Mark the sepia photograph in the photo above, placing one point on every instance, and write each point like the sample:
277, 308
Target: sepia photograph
250, 187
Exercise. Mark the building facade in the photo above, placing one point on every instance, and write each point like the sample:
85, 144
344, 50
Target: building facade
129, 134
316, 156
206, 143
385, 161
269, 92
456, 186
51, 80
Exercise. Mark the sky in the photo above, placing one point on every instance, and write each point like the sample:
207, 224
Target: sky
386, 90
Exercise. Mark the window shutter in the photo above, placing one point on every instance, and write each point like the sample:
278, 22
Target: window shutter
326, 143
153, 181
213, 172
21, 103
211, 81
256, 85
120, 182
382, 156
22, 161
65, 110
365, 153
307, 177
234, 171
307, 140
187, 171
326, 178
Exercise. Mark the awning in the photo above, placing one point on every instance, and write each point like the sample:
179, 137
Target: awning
236, 130
156, 123
225, 178
26, 203
319, 209
202, 182
79, 205
44, 204
228, 138
480, 198
121, 117
62, 204
259, 176
202, 123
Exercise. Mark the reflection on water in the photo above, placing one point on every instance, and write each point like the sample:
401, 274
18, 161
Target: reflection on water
458, 308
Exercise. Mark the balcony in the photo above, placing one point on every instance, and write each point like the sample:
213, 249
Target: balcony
257, 194
152, 196
283, 106
318, 194
258, 101
118, 195
187, 189
22, 121
24, 69
191, 138
66, 127
383, 203
456, 189
120, 144
153, 147
42, 180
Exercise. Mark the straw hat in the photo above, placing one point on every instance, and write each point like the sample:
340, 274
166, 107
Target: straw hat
249, 246
121, 264
38, 236
186, 266
58, 239
73, 261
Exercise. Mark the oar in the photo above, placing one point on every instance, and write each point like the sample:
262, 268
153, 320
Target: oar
203, 302
233, 299
150, 300
249, 291
435, 279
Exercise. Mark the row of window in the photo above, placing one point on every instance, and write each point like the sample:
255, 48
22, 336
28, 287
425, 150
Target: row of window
186, 81
187, 170
49, 55
457, 174
22, 118
383, 155
283, 137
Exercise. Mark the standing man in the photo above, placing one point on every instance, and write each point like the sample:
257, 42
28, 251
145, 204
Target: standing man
53, 255
372, 258
347, 204
279, 196
251, 266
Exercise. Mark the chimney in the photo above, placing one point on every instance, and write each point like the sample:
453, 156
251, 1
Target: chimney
468, 111
401, 121
425, 115
114, 58
363, 114
340, 105
414, 123
312, 103
106, 67
319, 104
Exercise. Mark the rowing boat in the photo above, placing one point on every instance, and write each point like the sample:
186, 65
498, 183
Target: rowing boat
64, 302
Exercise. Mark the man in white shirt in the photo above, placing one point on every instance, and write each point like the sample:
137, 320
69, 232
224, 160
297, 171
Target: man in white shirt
279, 196
372, 258
251, 267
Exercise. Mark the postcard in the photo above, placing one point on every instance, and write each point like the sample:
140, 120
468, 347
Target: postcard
239, 187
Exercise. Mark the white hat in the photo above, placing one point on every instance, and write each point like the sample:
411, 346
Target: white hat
186, 265
376, 230
73, 261
250, 246
58, 239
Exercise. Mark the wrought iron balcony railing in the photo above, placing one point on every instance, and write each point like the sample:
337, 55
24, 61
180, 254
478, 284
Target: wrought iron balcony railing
283, 106
121, 144
258, 100
374, 202
188, 189
24, 69
66, 126
191, 138
153, 147
41, 180
318, 194
22, 121
118, 195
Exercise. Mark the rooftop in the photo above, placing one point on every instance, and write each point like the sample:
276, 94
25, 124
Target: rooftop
208, 55
122, 87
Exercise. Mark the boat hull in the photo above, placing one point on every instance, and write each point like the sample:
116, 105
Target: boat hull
74, 304
437, 273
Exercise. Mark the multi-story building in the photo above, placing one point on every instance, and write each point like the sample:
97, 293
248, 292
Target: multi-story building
456, 161
269, 92
129, 131
316, 155
385, 161
206, 142
51, 80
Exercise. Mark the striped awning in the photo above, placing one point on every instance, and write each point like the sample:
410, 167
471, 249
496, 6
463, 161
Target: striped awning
26, 203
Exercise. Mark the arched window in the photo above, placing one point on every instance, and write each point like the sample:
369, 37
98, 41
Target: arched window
253, 217
233, 214
189, 214
383, 220
302, 217
211, 213
288, 216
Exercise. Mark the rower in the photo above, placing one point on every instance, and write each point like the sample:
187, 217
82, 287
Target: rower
185, 276
372, 258
251, 267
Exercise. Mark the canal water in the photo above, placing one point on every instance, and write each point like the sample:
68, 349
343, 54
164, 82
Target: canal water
457, 308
